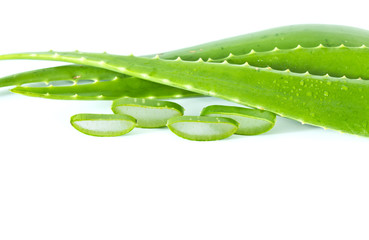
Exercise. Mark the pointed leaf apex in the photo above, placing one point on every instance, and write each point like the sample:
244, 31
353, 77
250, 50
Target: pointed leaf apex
298, 47
200, 60
287, 70
275, 49
156, 56
341, 46
178, 59
225, 62
363, 46
246, 64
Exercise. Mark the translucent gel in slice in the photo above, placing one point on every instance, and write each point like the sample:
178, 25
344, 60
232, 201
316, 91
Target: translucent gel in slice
103, 125
148, 112
202, 128
252, 121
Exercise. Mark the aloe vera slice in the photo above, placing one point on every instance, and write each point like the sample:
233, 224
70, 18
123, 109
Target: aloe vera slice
103, 125
149, 113
252, 121
200, 128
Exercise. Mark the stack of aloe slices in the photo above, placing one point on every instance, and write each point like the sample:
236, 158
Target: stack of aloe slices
216, 122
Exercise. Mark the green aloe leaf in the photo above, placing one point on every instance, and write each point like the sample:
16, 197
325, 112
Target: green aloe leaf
298, 53
98, 84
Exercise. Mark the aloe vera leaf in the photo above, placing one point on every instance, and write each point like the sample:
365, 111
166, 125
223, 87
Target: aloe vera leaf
103, 125
286, 37
72, 73
334, 61
337, 103
200, 128
106, 84
149, 113
252, 121
108, 90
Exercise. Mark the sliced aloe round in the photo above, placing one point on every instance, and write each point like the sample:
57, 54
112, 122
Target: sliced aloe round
103, 125
252, 121
201, 128
149, 113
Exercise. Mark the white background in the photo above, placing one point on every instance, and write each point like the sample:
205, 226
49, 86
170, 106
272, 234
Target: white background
294, 182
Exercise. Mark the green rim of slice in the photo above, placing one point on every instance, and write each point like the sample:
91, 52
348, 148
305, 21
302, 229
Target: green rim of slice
150, 113
103, 125
252, 121
200, 128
